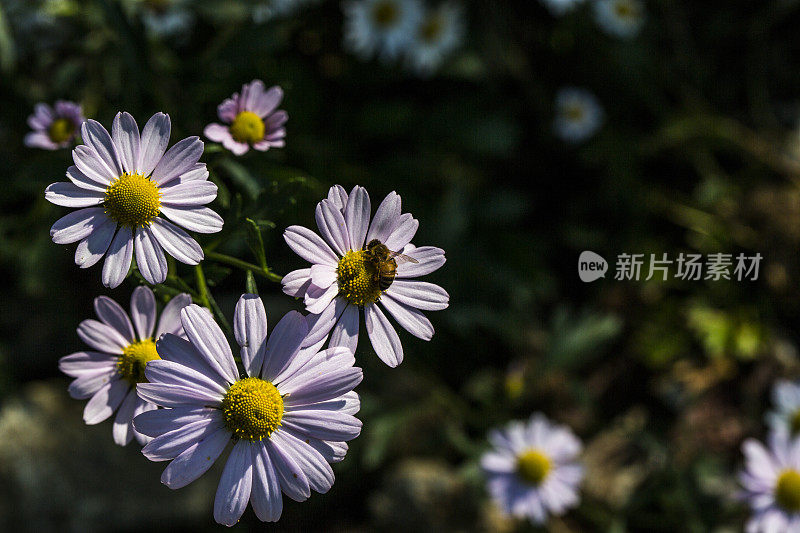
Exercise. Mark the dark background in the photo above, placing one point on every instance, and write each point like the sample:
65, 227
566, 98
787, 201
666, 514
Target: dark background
661, 380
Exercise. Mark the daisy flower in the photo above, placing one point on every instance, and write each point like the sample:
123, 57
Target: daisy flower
54, 127
251, 120
345, 278
532, 470
771, 482
122, 182
383, 26
288, 418
786, 416
438, 34
166, 18
620, 18
110, 375
578, 114
560, 7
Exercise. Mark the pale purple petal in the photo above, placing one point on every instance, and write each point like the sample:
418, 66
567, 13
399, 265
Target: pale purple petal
323, 276
217, 132
162, 421
79, 363
176, 242
227, 109
385, 218
209, 340
266, 496
322, 323
199, 219
143, 311
170, 320
234, 146
39, 139
101, 337
77, 225
316, 304
68, 194
332, 226
345, 333
419, 294
233, 491
173, 348
316, 469
333, 382
323, 424
142, 407
199, 172
125, 133
195, 461
150, 257
170, 395
171, 444
411, 319
299, 361
275, 121
403, 232
114, 316
283, 343
250, 330
85, 182
179, 159
155, 138
292, 478
90, 165
296, 282
194, 192
338, 196
429, 259
122, 430
91, 249
356, 215
267, 102
309, 246
88, 383
105, 401
383, 336
96, 136
118, 260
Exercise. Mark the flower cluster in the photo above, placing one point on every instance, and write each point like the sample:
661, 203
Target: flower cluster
393, 28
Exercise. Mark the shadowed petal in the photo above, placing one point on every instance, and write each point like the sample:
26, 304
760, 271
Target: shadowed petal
266, 496
143, 311
155, 138
250, 330
195, 461
150, 257
105, 401
125, 133
118, 258
111, 314
383, 336
233, 491
176, 242
357, 214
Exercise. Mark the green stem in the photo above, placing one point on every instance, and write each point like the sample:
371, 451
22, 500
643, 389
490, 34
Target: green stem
207, 300
244, 265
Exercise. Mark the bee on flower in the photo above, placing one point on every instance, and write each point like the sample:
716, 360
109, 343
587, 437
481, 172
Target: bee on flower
578, 114
54, 127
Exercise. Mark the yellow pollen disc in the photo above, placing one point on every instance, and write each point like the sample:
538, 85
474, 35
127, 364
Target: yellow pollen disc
61, 130
574, 112
134, 358
357, 278
253, 409
787, 491
133, 200
247, 127
432, 29
533, 466
385, 13
625, 10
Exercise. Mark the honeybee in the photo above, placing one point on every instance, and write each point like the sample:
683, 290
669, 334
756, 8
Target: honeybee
385, 262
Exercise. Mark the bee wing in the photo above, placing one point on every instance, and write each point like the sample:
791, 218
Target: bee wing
402, 258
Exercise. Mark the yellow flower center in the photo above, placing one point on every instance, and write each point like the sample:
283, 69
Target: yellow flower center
385, 13
358, 279
134, 358
625, 10
61, 130
787, 491
253, 409
574, 112
533, 466
247, 127
432, 29
133, 200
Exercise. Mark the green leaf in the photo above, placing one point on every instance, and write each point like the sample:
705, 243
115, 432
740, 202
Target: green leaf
241, 177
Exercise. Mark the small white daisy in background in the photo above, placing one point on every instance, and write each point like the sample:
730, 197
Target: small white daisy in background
532, 470
560, 7
166, 18
110, 374
440, 31
382, 27
578, 114
785, 417
54, 127
120, 183
265, 11
620, 18
355, 267
771, 482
